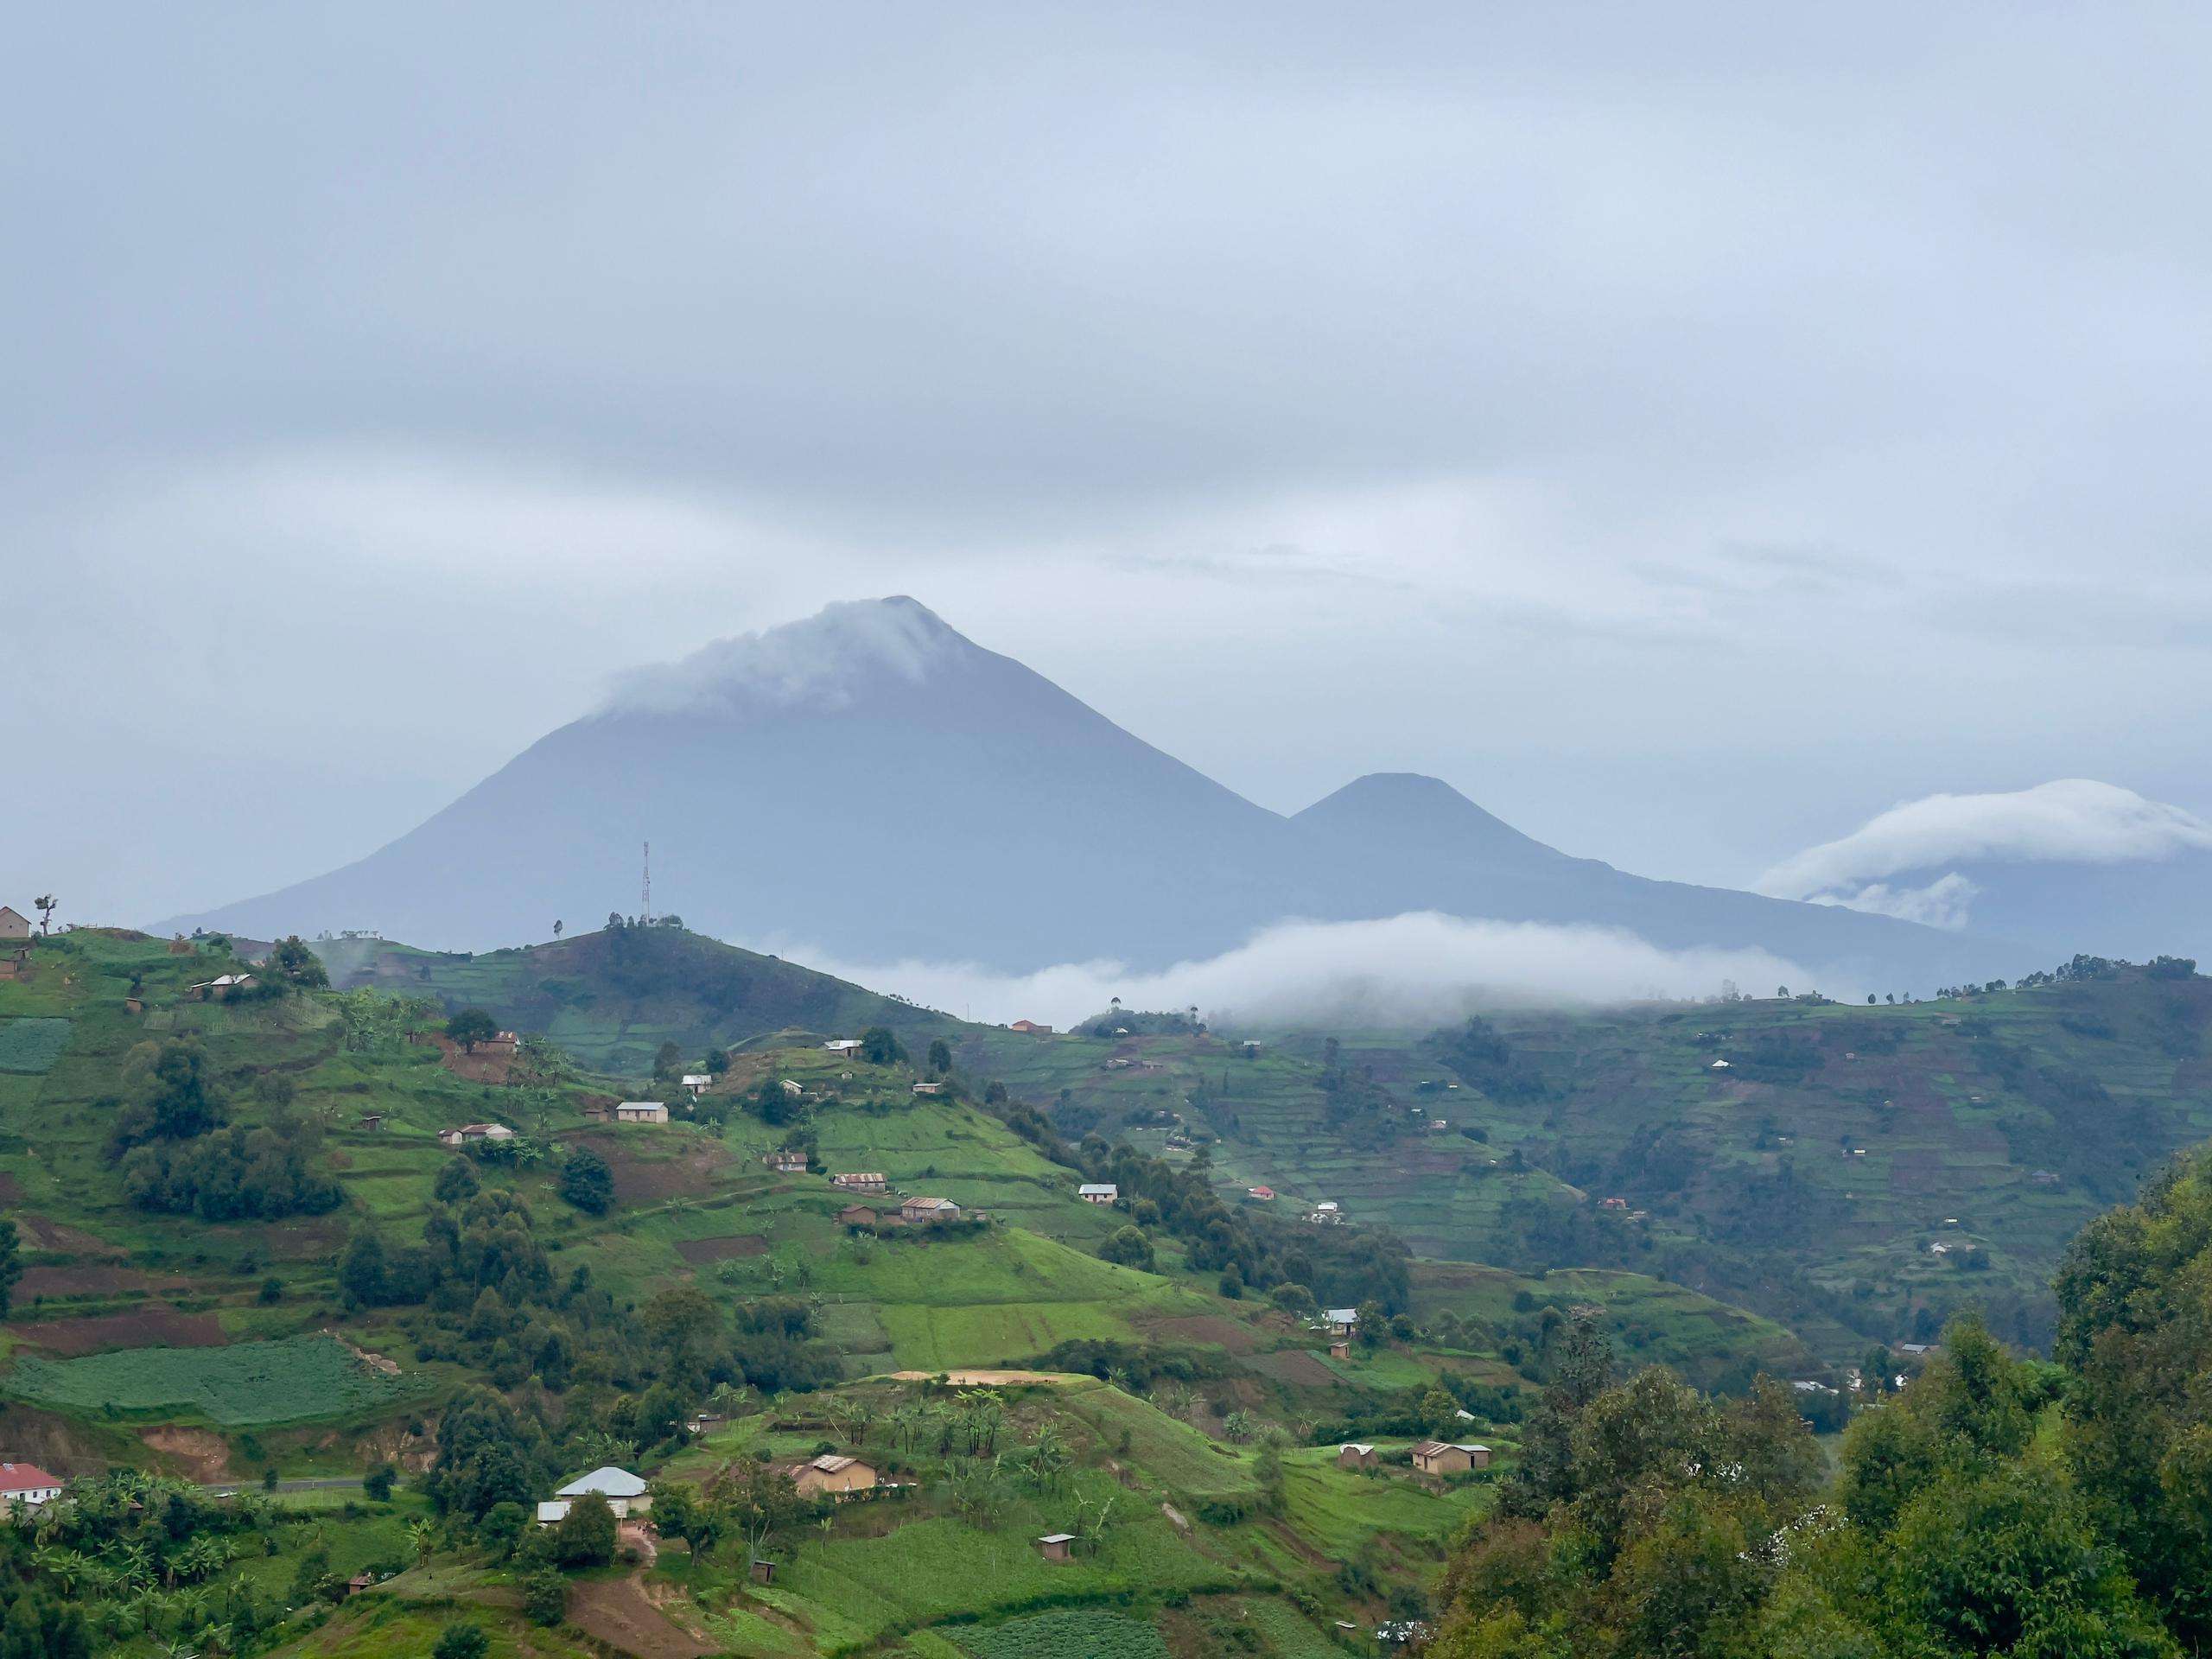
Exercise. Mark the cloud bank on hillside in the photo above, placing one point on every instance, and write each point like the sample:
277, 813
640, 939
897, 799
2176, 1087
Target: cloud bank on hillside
1420, 969
2069, 820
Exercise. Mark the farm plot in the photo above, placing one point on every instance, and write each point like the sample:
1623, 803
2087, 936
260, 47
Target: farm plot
1069, 1633
32, 1046
249, 1382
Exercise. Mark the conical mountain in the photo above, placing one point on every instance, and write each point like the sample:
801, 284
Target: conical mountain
869, 785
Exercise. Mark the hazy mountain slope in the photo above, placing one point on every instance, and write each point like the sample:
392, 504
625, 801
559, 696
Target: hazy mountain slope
869, 785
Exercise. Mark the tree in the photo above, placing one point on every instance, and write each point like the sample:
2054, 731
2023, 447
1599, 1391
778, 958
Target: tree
880, 1046
10, 1269
940, 1057
377, 1483
291, 961
361, 1270
1129, 1249
544, 1597
668, 1060
471, 1026
456, 1182
461, 1642
45, 906
586, 1534
587, 1182
556, 927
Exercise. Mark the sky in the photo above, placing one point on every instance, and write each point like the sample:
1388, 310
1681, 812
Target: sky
1690, 431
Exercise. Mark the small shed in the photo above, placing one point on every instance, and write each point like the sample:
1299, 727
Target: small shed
1340, 1350
1057, 1546
763, 1572
372, 1121
857, 1215
1352, 1455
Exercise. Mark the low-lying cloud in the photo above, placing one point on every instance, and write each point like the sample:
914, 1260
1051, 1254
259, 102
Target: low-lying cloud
2069, 820
1419, 969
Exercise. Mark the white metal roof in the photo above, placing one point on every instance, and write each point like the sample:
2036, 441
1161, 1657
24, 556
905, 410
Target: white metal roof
607, 1482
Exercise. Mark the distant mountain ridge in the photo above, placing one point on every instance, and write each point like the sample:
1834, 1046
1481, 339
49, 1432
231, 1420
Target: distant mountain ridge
870, 785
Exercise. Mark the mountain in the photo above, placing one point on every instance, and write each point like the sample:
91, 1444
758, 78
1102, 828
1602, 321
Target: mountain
870, 786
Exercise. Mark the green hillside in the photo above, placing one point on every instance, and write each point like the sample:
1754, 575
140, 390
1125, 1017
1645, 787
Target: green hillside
1855, 1172
612, 997
246, 1253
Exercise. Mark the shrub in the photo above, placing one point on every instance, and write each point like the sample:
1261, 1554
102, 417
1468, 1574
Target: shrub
461, 1642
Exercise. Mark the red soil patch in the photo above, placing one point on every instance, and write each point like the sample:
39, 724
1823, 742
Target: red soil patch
620, 1614
699, 1251
650, 1166
485, 1065
150, 1328
1295, 1367
91, 1282
45, 1235
196, 1452
1207, 1330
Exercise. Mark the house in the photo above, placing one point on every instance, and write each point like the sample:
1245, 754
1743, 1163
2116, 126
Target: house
1343, 1321
624, 1493
856, 1214
372, 1121
921, 1209
1264, 1194
785, 1161
842, 1044
1055, 1546
792, 1087
469, 1132
863, 1181
500, 1042
1612, 1204
27, 1485
1917, 1350
218, 988
837, 1476
928, 1088
1450, 1457
697, 1082
1099, 1192
360, 1582
14, 925
641, 1111
1718, 1066
1327, 1211
700, 1422
1030, 1029
1352, 1455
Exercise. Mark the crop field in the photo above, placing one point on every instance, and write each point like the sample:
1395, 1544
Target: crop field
1069, 1633
32, 1046
248, 1383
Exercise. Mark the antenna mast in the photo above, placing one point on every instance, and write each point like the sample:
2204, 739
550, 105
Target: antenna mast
646, 892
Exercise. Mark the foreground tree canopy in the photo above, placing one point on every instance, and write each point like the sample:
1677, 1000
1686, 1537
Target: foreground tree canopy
2000, 1506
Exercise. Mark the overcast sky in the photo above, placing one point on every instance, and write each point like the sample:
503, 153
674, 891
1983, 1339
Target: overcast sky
1686, 430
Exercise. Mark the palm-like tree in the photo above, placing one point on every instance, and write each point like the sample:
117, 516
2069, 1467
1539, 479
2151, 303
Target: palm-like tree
423, 1534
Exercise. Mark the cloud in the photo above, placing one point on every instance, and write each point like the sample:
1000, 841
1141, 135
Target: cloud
2069, 820
823, 659
1419, 969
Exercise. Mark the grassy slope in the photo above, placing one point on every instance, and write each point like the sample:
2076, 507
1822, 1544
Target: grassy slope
1958, 1104
611, 998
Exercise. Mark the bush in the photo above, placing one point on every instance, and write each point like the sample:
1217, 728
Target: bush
545, 1597
587, 1182
461, 1642
377, 1483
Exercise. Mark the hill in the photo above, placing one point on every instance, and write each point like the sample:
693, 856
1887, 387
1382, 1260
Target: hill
1856, 1171
246, 1251
869, 785
612, 997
